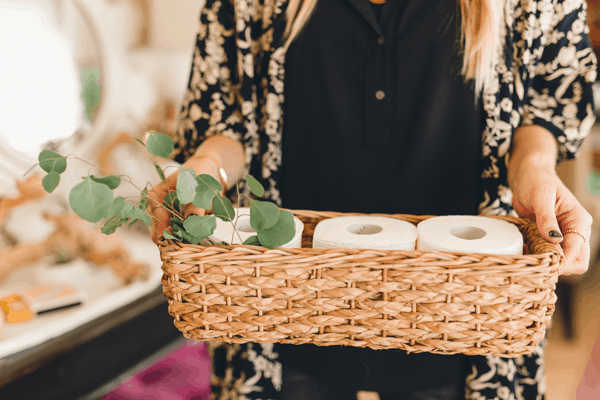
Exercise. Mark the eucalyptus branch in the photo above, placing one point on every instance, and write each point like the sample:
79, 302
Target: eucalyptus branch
93, 199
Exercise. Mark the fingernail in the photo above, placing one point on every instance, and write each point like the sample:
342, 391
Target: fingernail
555, 234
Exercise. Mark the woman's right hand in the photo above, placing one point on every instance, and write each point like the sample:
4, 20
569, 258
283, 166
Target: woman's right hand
201, 165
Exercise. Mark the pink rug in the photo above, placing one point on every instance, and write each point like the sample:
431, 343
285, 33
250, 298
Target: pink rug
184, 374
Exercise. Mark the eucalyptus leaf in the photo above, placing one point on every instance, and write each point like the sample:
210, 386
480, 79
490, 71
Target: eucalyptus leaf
172, 200
222, 208
145, 217
190, 238
159, 145
178, 229
52, 161
255, 187
51, 181
160, 171
263, 215
112, 224
205, 191
116, 207
186, 186
176, 222
91, 200
252, 241
129, 211
167, 235
111, 181
144, 199
200, 227
280, 233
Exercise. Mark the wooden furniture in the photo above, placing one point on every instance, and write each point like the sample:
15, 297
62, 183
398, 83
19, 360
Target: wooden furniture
93, 358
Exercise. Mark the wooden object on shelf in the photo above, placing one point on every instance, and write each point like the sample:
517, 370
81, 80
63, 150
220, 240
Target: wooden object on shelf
92, 245
74, 238
30, 189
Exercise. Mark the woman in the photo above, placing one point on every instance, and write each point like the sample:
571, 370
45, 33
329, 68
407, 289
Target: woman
441, 107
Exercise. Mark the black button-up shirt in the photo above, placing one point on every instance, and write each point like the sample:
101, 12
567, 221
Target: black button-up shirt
378, 119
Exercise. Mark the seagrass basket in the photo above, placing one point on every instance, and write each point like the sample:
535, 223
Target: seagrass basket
418, 301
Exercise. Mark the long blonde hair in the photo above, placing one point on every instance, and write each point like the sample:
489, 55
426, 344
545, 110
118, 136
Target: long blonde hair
480, 24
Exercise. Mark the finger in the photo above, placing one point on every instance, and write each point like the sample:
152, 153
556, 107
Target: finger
581, 263
572, 246
545, 214
164, 217
578, 220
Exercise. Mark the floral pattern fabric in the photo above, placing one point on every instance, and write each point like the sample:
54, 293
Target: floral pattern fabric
542, 76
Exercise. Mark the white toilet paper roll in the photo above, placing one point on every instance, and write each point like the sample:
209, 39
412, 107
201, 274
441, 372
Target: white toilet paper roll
365, 232
469, 234
224, 230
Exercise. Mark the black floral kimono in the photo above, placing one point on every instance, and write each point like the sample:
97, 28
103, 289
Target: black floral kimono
543, 76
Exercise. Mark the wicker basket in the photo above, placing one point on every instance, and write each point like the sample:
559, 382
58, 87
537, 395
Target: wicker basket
417, 301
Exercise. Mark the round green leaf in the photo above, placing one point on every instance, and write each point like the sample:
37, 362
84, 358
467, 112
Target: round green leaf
255, 187
112, 224
222, 208
116, 207
263, 215
52, 161
111, 181
167, 235
189, 238
186, 186
252, 241
280, 233
91, 200
172, 200
141, 214
207, 188
127, 211
159, 145
50, 181
200, 227
176, 222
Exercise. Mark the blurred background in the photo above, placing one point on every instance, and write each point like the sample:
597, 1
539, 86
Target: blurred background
86, 77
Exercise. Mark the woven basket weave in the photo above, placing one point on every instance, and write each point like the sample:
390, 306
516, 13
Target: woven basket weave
418, 301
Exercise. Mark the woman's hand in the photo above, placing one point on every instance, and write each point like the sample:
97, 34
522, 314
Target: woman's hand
538, 193
202, 165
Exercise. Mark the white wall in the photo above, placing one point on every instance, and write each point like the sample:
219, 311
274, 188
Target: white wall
174, 23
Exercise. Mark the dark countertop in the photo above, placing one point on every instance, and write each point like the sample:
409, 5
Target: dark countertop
89, 361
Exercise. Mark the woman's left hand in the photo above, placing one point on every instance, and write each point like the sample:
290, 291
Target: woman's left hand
538, 193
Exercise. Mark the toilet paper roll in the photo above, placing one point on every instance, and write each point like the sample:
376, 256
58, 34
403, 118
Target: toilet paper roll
469, 234
365, 232
224, 230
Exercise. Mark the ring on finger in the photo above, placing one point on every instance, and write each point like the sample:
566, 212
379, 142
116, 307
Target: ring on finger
579, 233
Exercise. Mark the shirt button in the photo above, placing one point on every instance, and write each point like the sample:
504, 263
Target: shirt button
379, 95
381, 40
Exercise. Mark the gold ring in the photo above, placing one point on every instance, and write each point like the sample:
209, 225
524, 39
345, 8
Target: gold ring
579, 233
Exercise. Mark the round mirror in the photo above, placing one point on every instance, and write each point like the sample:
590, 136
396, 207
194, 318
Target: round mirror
50, 74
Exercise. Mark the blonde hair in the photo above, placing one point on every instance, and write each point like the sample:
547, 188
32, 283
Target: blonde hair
480, 24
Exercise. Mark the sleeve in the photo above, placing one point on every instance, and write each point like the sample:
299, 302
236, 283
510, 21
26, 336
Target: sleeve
210, 104
560, 97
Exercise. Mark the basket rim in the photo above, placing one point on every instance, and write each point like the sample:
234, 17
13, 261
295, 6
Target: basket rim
519, 221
